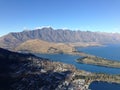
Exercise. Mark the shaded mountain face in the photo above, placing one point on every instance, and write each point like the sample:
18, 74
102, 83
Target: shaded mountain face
10, 62
64, 36
28, 72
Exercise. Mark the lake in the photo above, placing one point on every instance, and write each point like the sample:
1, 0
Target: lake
111, 52
70, 59
104, 86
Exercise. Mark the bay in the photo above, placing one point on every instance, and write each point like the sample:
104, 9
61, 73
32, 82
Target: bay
111, 52
70, 59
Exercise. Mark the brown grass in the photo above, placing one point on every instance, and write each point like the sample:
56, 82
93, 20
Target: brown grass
39, 46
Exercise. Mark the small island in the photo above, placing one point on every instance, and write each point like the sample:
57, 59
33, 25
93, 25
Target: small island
99, 61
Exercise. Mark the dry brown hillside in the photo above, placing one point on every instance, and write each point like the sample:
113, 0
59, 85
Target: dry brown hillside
40, 46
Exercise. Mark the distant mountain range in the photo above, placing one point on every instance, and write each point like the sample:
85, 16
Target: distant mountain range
12, 40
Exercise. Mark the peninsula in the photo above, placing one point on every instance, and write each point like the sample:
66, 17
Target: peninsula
40, 46
94, 60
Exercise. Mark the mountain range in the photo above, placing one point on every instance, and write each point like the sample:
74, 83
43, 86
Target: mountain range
14, 39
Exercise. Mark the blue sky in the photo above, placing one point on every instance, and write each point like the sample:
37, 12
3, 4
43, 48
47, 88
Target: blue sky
92, 15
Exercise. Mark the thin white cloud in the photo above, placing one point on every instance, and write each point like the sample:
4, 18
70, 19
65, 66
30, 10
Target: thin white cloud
42, 27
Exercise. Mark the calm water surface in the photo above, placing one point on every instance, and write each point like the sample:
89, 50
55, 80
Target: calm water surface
104, 86
111, 52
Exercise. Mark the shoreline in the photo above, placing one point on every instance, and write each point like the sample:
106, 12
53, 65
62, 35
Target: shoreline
99, 61
84, 54
92, 77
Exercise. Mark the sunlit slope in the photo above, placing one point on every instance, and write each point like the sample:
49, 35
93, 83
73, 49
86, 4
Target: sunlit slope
40, 46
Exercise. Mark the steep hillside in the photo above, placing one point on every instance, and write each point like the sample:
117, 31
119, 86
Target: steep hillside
28, 72
10, 63
65, 36
39, 46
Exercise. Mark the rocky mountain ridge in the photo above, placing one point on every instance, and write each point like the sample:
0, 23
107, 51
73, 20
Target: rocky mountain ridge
12, 40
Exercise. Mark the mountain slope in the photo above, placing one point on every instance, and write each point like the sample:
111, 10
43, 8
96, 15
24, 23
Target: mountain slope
39, 46
12, 40
10, 62
28, 72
